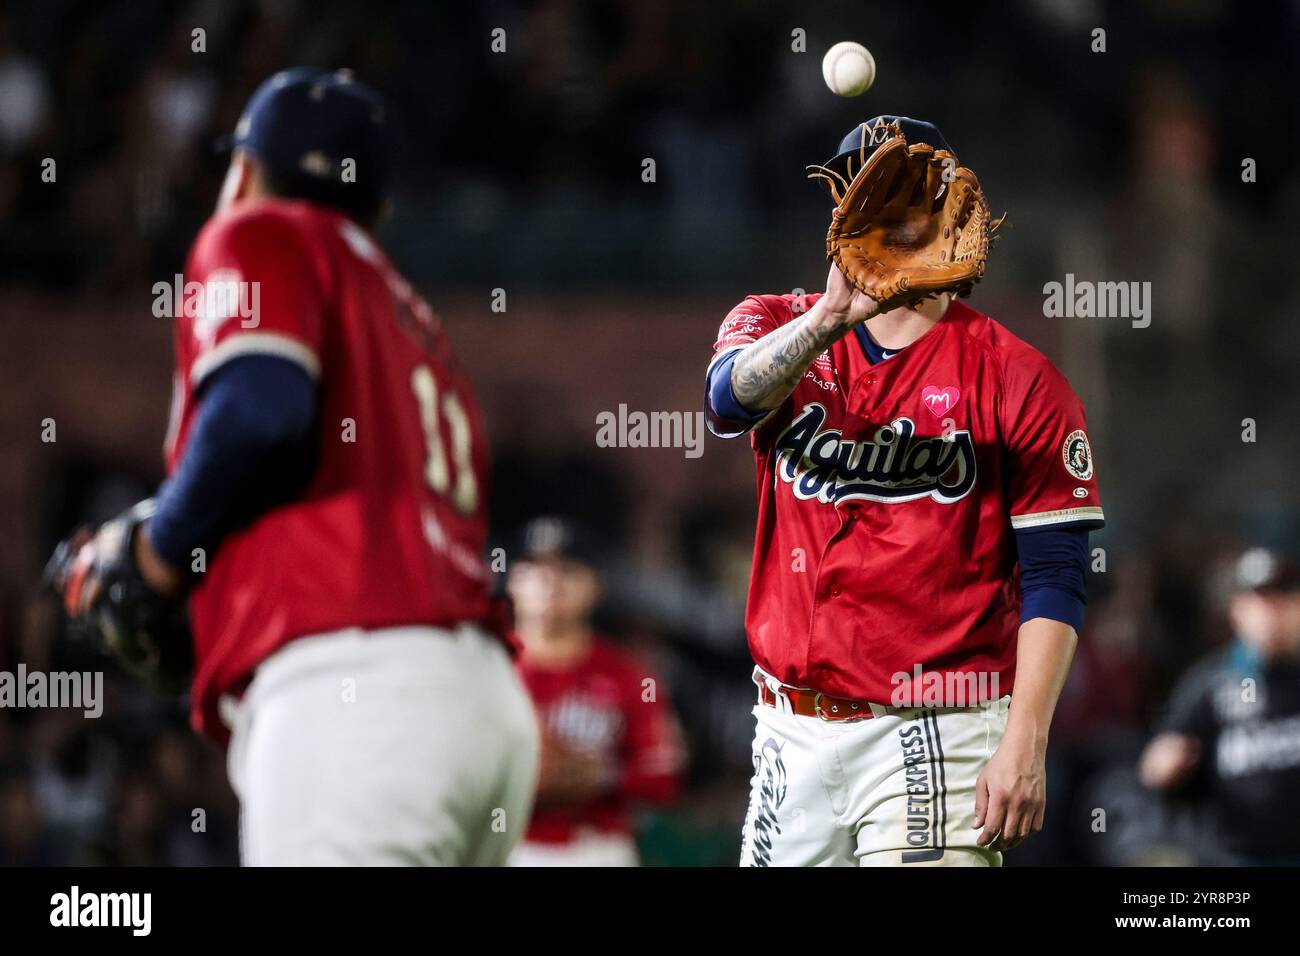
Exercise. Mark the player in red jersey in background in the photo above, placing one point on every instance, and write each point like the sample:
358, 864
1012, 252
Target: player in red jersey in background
326, 468
609, 737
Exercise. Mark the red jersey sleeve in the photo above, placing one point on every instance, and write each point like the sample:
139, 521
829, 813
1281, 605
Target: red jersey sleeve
1051, 478
747, 322
652, 755
253, 287
755, 317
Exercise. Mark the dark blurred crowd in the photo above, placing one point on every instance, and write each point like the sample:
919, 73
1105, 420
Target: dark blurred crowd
525, 169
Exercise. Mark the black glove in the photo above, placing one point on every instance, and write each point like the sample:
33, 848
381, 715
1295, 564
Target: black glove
106, 597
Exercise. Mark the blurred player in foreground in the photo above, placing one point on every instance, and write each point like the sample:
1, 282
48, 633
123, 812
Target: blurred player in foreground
925, 492
326, 472
609, 736
1231, 740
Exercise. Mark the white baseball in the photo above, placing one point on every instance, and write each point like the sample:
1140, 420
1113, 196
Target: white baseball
848, 69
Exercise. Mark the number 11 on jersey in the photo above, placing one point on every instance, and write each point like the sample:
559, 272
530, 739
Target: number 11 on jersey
453, 479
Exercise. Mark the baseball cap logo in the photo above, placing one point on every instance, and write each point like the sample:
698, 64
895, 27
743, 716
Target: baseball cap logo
316, 163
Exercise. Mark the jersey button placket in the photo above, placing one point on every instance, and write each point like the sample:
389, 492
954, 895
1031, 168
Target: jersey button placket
859, 403
848, 519
845, 526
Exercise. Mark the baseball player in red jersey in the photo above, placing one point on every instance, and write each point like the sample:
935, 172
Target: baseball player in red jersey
326, 467
925, 492
609, 736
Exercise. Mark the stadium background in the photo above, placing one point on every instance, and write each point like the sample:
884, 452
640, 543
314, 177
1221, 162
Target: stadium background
522, 172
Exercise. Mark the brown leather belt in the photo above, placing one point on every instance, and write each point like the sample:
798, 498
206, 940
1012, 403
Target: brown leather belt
813, 703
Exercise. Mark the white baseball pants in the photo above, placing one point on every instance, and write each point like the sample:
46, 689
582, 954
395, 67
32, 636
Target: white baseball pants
404, 746
895, 790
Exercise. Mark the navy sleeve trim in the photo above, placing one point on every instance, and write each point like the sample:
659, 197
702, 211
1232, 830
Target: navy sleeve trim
1053, 574
725, 416
249, 449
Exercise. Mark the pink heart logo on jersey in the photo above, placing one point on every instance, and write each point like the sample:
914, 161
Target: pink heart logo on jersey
940, 401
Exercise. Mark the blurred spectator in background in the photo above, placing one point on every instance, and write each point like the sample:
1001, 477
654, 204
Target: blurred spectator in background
609, 737
25, 94
25, 840
1231, 740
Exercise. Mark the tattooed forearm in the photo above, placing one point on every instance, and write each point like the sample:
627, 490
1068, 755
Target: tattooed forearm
766, 372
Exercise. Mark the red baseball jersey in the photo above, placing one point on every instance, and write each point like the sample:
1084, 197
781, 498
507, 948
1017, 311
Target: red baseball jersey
391, 529
600, 706
888, 498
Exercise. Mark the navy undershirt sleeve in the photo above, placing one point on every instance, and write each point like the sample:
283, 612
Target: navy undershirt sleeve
1053, 574
251, 447
726, 417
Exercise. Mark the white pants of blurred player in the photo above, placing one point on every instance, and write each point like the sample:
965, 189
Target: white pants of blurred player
589, 848
894, 790
403, 746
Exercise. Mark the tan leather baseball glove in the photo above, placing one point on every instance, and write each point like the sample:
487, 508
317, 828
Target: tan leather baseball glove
911, 224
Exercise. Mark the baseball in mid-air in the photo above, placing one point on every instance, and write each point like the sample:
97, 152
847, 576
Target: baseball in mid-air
849, 68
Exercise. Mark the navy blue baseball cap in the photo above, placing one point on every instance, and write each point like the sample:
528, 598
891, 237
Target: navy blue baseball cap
561, 538
859, 141
304, 123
